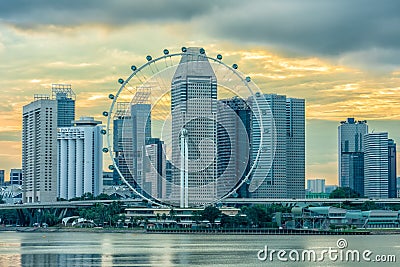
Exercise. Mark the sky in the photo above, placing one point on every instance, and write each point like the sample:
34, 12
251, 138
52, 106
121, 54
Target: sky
342, 56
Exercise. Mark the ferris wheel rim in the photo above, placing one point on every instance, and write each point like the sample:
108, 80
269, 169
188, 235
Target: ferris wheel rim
234, 69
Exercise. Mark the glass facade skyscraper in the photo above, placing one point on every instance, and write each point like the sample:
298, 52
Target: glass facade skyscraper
155, 168
295, 147
65, 98
141, 133
351, 154
392, 186
122, 143
234, 127
281, 166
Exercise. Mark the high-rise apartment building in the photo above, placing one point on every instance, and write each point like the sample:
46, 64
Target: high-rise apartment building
65, 98
16, 177
392, 169
39, 150
194, 130
376, 172
284, 139
316, 185
80, 159
351, 154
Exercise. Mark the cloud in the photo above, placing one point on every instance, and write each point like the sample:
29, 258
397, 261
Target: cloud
326, 27
367, 59
27, 14
362, 33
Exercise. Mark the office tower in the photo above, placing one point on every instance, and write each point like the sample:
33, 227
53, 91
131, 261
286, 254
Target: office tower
194, 130
295, 147
354, 163
284, 139
351, 154
39, 150
141, 133
122, 143
16, 177
1, 177
234, 124
316, 185
392, 180
108, 178
65, 98
168, 178
155, 169
376, 165
80, 159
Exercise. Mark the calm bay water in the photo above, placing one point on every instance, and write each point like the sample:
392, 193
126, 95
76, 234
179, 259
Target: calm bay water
131, 249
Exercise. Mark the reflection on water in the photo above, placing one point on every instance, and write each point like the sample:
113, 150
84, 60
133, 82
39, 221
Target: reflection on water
103, 249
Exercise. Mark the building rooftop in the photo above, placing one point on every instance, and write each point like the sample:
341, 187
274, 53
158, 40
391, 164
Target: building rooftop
86, 121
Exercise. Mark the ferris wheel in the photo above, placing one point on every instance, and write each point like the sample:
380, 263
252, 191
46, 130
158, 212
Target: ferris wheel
178, 130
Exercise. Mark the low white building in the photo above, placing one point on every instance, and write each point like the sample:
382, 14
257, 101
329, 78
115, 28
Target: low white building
80, 159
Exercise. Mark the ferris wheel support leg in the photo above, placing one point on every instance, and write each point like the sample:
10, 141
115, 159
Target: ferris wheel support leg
184, 185
186, 174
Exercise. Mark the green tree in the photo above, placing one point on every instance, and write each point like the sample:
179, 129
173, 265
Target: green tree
369, 205
211, 213
344, 192
241, 220
257, 215
227, 221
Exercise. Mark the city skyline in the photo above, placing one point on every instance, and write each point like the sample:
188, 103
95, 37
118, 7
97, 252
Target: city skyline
339, 76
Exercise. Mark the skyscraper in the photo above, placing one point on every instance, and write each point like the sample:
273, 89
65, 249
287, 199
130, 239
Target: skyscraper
155, 169
39, 150
141, 133
194, 116
376, 165
351, 154
295, 147
80, 160
234, 125
392, 169
1, 177
122, 143
282, 162
168, 179
65, 98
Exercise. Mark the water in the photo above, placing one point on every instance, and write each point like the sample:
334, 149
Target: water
137, 249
